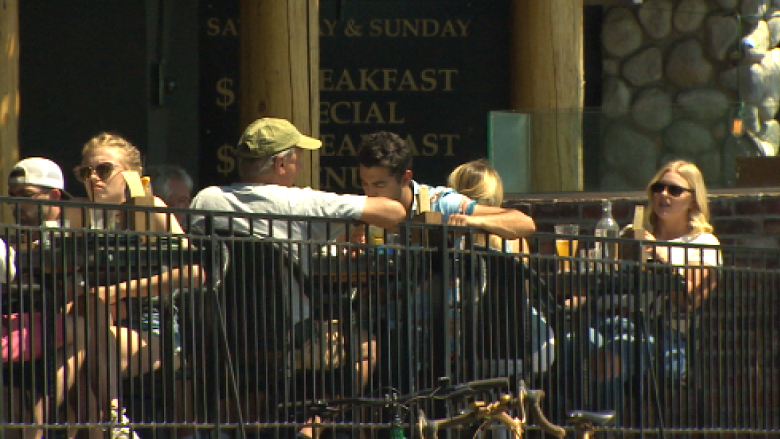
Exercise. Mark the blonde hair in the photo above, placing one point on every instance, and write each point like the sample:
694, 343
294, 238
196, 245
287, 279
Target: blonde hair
479, 181
699, 215
131, 154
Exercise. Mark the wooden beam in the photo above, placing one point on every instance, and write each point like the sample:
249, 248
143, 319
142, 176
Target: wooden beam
9, 95
548, 82
280, 69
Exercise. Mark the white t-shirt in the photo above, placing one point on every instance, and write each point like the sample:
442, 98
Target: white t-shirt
703, 256
691, 256
249, 198
253, 198
7, 262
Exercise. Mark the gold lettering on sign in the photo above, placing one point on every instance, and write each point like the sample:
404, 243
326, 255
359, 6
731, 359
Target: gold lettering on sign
433, 142
329, 28
341, 177
327, 145
463, 25
347, 146
357, 112
449, 139
387, 80
353, 29
226, 96
227, 161
346, 178
428, 145
367, 109
418, 28
218, 27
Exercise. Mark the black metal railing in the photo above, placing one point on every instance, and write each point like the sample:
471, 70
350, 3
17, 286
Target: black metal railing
244, 327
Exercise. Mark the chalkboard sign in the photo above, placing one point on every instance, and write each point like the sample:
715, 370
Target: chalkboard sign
427, 70
219, 92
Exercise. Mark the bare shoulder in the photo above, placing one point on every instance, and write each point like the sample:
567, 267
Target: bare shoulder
165, 221
158, 202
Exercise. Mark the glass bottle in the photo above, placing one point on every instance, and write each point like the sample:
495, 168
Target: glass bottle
607, 227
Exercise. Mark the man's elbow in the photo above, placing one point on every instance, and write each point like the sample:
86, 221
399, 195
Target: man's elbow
525, 226
530, 228
395, 214
383, 212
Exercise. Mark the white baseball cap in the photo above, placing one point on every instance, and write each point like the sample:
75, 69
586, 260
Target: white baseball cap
38, 171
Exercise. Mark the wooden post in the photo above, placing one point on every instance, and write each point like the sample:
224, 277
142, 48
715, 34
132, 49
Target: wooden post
548, 82
9, 94
280, 69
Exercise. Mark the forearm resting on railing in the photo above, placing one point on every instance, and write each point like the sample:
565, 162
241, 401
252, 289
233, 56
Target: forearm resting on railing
504, 222
185, 277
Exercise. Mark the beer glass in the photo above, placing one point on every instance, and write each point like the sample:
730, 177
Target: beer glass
566, 247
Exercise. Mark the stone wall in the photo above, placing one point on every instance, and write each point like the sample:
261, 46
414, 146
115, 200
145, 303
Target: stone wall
678, 73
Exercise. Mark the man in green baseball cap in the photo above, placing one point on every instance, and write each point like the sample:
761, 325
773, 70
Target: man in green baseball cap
269, 136
268, 152
268, 163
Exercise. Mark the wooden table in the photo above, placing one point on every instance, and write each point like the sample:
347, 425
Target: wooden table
359, 268
626, 286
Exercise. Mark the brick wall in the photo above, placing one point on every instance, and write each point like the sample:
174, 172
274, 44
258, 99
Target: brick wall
740, 217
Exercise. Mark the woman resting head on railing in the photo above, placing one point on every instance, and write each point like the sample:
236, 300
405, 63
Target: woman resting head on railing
677, 212
481, 182
104, 157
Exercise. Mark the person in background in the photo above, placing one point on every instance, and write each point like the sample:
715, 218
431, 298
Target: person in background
482, 183
385, 168
42, 179
677, 212
174, 185
268, 162
269, 159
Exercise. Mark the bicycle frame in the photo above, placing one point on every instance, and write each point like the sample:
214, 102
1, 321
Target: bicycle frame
495, 411
526, 402
584, 422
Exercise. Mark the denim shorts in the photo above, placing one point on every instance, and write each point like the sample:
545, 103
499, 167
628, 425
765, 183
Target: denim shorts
151, 321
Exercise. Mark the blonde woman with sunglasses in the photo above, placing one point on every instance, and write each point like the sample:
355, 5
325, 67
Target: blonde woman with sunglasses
677, 212
104, 158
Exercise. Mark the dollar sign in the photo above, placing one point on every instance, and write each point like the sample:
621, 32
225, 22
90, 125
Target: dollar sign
227, 162
226, 95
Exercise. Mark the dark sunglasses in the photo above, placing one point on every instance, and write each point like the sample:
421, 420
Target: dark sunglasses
671, 189
28, 193
102, 170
